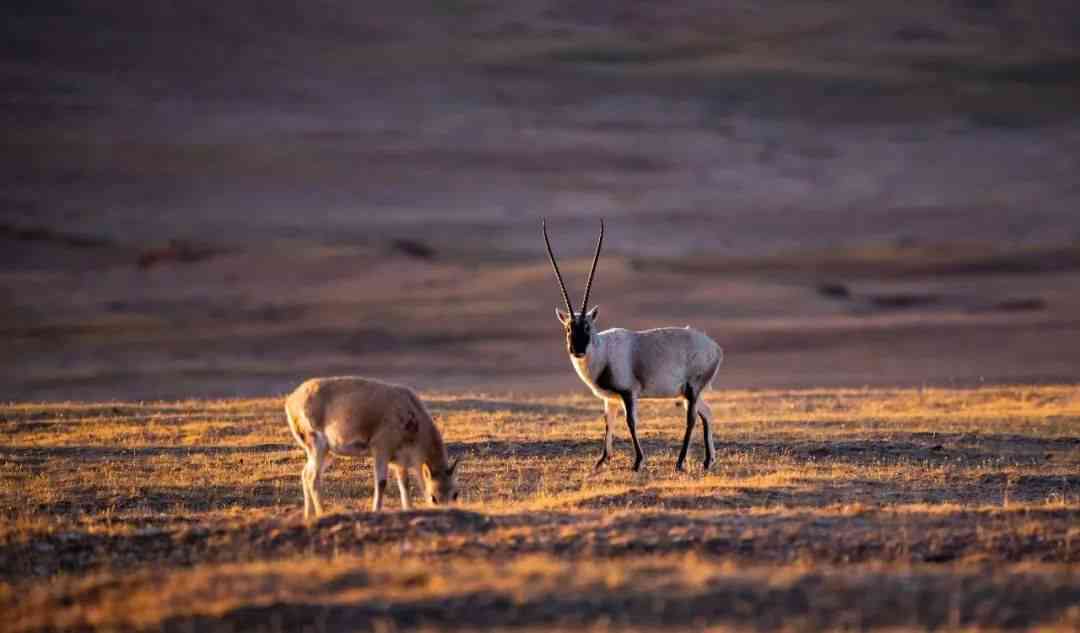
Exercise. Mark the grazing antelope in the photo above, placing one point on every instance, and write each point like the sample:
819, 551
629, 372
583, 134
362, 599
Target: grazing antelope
622, 366
349, 415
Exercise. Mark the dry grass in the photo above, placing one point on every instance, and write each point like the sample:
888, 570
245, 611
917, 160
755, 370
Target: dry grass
909, 509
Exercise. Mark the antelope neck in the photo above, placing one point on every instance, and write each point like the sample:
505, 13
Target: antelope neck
586, 365
435, 454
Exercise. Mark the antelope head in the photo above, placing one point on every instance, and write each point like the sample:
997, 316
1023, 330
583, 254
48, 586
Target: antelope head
578, 325
440, 487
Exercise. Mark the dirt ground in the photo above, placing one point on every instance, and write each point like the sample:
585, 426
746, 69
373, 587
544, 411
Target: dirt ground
220, 201
875, 509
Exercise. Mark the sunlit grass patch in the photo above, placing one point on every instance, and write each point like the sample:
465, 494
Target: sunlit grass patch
856, 490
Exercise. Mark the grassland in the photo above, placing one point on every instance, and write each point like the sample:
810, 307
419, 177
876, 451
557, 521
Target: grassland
219, 200
872, 509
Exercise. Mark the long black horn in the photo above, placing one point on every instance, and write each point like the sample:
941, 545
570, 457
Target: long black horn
558, 275
596, 258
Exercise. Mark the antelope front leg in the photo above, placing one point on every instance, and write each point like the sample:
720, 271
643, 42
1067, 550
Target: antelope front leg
609, 413
630, 408
380, 483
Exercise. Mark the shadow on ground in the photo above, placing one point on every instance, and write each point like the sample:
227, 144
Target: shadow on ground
817, 601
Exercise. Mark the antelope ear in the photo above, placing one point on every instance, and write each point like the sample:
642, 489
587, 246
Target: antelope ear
425, 471
592, 313
563, 317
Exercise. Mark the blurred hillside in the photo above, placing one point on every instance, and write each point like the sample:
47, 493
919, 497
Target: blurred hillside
217, 200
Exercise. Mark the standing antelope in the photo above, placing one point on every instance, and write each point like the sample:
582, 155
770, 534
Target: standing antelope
349, 415
622, 366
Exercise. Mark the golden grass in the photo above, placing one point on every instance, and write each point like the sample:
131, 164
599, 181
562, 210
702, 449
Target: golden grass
899, 509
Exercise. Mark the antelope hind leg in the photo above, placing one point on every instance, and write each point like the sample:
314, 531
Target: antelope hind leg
706, 429
691, 418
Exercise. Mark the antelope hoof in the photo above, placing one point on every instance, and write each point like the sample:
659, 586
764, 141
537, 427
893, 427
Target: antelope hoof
708, 462
679, 466
601, 462
638, 463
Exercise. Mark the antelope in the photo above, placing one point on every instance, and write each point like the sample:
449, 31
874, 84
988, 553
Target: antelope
349, 415
623, 366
